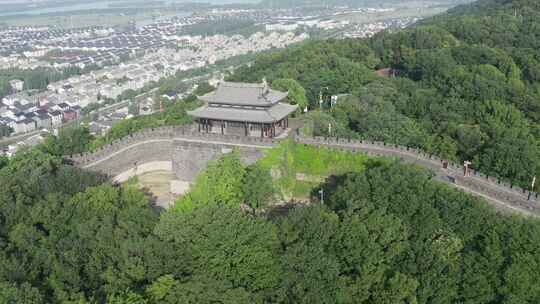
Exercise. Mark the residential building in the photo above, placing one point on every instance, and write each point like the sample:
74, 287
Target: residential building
17, 85
43, 121
69, 115
56, 118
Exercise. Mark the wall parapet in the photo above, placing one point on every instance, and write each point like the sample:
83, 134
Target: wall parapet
476, 180
168, 133
384, 149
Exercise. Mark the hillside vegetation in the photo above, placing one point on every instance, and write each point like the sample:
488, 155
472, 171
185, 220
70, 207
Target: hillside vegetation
467, 86
384, 233
387, 233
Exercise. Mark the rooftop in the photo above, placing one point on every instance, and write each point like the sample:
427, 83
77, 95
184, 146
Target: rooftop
244, 94
268, 115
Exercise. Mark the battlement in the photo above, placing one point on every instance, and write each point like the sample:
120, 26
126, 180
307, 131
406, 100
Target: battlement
477, 180
165, 134
162, 144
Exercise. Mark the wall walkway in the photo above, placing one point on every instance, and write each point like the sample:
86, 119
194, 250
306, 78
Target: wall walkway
503, 195
189, 151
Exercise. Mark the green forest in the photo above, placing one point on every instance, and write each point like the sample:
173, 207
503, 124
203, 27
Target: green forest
386, 233
383, 232
466, 86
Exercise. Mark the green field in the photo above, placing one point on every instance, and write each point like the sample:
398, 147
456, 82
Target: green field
290, 160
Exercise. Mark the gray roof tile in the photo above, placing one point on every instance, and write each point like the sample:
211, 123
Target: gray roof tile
272, 114
246, 94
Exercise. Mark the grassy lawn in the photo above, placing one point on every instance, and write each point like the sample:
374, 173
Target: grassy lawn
290, 159
303, 189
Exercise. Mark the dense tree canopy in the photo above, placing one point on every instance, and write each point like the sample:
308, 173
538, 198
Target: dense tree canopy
467, 86
386, 232
297, 94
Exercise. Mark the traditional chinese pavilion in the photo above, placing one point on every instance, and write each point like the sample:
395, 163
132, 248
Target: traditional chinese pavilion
244, 109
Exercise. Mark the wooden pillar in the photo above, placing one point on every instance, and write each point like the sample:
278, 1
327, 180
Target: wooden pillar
262, 132
222, 132
199, 124
245, 129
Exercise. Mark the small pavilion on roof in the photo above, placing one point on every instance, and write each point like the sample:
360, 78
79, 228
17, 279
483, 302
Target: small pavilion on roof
244, 109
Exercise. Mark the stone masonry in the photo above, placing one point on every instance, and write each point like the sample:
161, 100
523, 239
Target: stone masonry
190, 158
190, 151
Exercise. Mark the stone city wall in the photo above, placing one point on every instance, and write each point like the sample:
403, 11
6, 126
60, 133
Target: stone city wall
130, 156
477, 182
190, 158
190, 151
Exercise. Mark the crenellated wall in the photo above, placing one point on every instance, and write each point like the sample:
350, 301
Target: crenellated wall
189, 151
499, 192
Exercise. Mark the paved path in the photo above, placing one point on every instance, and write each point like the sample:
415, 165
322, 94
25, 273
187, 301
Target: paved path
190, 140
498, 204
499, 195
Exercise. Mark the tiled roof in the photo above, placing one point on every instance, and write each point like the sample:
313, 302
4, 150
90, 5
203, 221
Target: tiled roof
245, 94
269, 115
